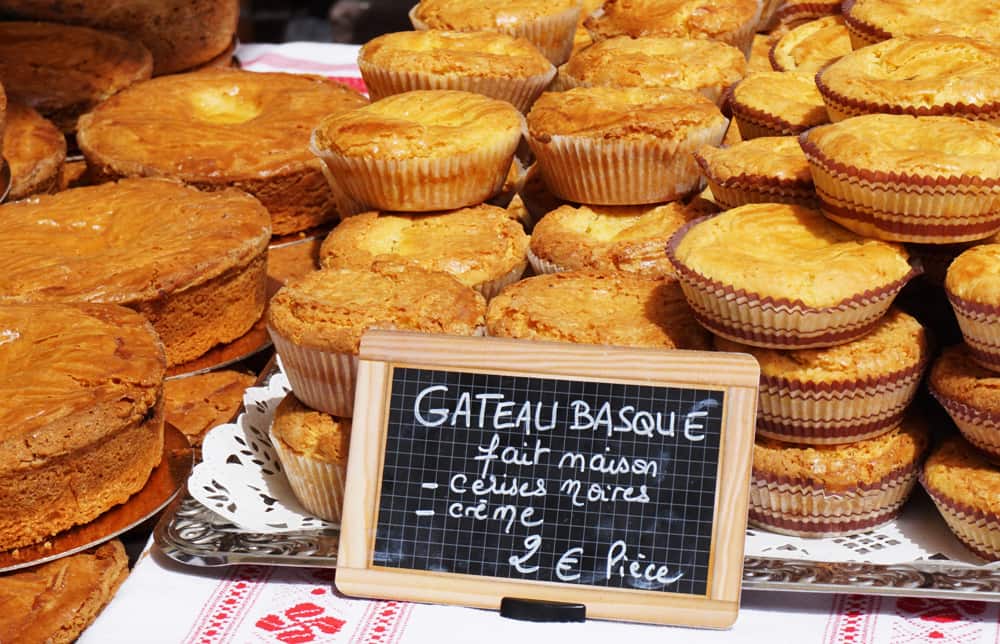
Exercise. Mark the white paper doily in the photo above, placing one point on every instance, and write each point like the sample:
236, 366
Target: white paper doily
240, 477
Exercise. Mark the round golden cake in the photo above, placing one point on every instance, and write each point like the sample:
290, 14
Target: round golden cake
872, 21
812, 46
196, 404
220, 129
924, 179
731, 21
766, 169
192, 262
922, 76
610, 239
549, 24
784, 277
966, 490
970, 394
481, 246
840, 394
595, 308
181, 34
485, 62
792, 13
622, 146
835, 490
705, 66
80, 412
35, 149
421, 151
777, 104
972, 283
63, 71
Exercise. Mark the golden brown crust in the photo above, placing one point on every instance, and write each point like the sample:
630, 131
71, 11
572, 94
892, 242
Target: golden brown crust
481, 54
476, 15
788, 100
959, 472
419, 124
683, 18
792, 253
56, 601
311, 433
622, 113
593, 308
956, 377
477, 245
769, 158
65, 71
975, 19
35, 150
196, 404
898, 343
627, 239
331, 308
812, 46
975, 275
845, 467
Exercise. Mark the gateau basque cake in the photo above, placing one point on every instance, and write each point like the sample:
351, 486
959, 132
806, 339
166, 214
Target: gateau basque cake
193, 263
970, 394
812, 46
872, 21
784, 277
181, 34
35, 149
550, 25
219, 129
973, 286
776, 104
63, 71
81, 417
765, 169
484, 62
196, 404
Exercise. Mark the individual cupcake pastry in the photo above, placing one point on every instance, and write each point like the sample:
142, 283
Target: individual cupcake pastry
766, 169
192, 262
926, 179
622, 146
481, 246
792, 13
705, 66
549, 24
841, 394
63, 71
835, 490
922, 76
420, 151
610, 239
730, 21
969, 393
596, 308
35, 149
812, 46
966, 490
81, 405
784, 277
312, 447
776, 104
872, 21
224, 128
485, 62
316, 322
973, 286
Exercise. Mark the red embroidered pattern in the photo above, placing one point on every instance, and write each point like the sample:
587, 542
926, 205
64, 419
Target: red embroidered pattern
225, 608
300, 623
938, 620
852, 619
383, 622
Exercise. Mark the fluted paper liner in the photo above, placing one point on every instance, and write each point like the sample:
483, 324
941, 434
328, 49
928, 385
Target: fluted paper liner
323, 380
862, 33
791, 14
798, 508
492, 288
978, 530
625, 172
319, 486
553, 35
979, 426
755, 123
420, 184
904, 207
778, 323
837, 412
520, 92
745, 188
543, 266
980, 324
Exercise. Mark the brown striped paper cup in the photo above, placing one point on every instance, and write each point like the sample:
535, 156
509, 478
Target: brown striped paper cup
745, 188
978, 530
862, 33
755, 123
979, 426
319, 486
980, 325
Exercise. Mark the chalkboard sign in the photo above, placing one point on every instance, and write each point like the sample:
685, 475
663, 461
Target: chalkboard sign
549, 471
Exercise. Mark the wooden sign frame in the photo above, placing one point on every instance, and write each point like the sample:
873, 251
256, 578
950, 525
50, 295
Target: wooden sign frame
736, 374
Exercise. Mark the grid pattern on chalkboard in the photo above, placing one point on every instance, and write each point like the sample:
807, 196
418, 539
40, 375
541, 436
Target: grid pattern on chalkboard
666, 536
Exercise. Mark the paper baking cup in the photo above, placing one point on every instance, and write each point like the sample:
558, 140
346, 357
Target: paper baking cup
553, 35
978, 426
318, 486
418, 185
778, 323
594, 171
862, 33
979, 531
492, 288
768, 13
323, 380
798, 508
742, 38
900, 207
791, 14
755, 123
980, 324
832, 413
543, 266
520, 92
746, 188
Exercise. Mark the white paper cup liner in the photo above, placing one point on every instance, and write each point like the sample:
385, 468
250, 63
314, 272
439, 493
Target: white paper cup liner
492, 288
323, 380
318, 486
543, 266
